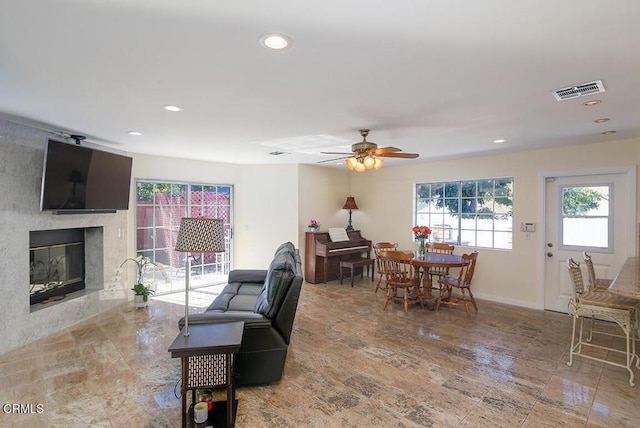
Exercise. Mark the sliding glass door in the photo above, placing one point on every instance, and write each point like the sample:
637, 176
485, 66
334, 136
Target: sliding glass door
159, 208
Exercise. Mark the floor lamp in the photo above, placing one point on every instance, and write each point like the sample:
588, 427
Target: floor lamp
198, 235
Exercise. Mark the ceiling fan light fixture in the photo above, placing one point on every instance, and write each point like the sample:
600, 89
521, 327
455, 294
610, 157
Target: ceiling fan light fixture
369, 162
366, 155
351, 162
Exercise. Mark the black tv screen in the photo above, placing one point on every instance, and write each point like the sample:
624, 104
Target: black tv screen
82, 179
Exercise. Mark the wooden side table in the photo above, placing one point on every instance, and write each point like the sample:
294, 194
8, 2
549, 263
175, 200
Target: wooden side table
207, 363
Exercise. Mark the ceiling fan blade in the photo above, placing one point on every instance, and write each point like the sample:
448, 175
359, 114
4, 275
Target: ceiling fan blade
398, 155
386, 150
337, 153
334, 159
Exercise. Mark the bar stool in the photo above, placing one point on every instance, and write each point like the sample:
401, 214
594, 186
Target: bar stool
619, 309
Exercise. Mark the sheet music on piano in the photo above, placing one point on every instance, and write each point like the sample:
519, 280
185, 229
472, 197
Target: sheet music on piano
338, 234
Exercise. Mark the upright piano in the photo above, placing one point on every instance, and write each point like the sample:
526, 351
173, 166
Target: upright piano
322, 257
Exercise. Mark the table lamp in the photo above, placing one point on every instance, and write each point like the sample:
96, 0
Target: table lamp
350, 205
198, 235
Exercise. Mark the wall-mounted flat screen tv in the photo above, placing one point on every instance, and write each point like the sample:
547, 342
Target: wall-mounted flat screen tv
79, 179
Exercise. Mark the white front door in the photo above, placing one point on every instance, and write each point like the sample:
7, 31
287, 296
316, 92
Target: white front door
593, 213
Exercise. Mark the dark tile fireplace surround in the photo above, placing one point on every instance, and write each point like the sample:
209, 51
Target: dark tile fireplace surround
56, 264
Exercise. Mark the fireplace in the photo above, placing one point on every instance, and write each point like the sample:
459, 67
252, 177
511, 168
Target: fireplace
56, 264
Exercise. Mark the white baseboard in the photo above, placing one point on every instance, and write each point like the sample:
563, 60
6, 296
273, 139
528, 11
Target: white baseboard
506, 300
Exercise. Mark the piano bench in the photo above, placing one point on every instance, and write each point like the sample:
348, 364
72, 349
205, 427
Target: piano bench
354, 264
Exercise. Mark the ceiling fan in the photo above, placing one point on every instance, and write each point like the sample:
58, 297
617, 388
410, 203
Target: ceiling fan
365, 154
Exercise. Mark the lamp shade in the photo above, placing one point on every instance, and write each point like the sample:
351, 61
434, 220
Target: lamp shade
351, 162
200, 235
350, 204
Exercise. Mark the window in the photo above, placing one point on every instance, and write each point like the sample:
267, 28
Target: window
586, 217
475, 213
159, 209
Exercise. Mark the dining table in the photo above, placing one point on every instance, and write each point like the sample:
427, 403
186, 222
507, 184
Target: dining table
432, 260
627, 282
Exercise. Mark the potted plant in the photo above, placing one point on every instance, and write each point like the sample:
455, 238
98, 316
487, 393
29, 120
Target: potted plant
313, 225
141, 296
142, 289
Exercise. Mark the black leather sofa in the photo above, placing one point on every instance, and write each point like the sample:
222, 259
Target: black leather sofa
266, 300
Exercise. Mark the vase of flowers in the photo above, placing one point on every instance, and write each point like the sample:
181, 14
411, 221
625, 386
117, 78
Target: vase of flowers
421, 234
313, 226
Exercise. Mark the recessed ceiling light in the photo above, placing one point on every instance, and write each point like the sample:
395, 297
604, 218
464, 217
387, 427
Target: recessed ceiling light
603, 120
172, 108
136, 133
275, 41
499, 141
591, 103
608, 132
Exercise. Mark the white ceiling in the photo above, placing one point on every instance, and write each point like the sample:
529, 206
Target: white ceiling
439, 78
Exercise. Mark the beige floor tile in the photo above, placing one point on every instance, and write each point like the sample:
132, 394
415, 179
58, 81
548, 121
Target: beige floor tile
350, 364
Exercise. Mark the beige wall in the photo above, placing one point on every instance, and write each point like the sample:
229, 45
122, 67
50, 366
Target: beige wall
274, 204
509, 276
265, 196
322, 195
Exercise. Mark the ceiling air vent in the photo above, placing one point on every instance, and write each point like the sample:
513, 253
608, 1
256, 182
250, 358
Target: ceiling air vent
578, 90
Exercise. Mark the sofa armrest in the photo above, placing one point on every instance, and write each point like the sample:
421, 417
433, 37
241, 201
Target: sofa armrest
248, 275
251, 319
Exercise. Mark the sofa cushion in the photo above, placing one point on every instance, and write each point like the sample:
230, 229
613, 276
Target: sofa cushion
237, 296
251, 288
248, 275
279, 276
233, 302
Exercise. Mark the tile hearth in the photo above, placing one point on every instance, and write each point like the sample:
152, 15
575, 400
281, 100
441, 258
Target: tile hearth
349, 365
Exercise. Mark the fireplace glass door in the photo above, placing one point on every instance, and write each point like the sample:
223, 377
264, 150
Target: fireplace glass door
56, 264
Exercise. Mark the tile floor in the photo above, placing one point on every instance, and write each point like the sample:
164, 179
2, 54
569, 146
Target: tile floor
349, 365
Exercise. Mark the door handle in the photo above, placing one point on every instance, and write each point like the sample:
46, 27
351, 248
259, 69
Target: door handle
549, 254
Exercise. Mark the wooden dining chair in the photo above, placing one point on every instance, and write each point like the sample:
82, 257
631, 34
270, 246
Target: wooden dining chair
435, 273
378, 247
461, 284
400, 274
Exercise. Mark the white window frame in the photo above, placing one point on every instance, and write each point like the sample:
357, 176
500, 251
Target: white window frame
457, 228
609, 249
223, 261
